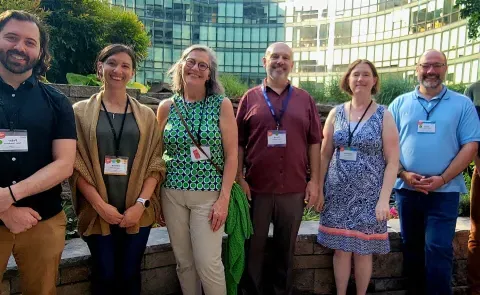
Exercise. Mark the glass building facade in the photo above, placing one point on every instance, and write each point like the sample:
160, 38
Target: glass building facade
325, 35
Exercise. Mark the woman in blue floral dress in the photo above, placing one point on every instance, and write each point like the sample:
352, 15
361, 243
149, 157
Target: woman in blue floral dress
359, 157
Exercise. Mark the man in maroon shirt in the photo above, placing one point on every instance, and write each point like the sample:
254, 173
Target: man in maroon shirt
279, 138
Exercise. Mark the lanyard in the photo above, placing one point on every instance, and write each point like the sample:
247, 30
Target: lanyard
117, 139
201, 117
350, 134
431, 111
278, 119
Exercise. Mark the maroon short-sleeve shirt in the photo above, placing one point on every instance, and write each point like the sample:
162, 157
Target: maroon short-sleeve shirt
277, 170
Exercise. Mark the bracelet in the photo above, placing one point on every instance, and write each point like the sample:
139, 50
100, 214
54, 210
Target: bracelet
444, 182
11, 194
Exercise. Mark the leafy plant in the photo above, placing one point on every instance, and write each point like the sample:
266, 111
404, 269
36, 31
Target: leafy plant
92, 80
79, 29
71, 231
316, 90
234, 87
309, 214
392, 87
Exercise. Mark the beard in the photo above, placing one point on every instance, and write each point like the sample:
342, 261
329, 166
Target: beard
15, 67
272, 71
430, 84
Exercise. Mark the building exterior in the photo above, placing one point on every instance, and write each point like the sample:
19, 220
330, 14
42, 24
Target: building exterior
325, 35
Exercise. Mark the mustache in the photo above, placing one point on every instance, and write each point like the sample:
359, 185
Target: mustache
431, 76
16, 52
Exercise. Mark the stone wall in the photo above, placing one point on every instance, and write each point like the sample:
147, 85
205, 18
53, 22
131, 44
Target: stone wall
313, 273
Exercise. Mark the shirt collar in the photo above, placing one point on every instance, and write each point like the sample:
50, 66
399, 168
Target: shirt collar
444, 93
268, 88
30, 82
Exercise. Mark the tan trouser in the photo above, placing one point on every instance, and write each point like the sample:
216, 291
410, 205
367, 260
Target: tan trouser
196, 247
37, 252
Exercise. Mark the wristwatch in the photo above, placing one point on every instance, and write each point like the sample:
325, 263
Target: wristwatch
400, 172
144, 202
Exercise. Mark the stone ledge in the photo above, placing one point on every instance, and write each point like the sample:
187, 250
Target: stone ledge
313, 272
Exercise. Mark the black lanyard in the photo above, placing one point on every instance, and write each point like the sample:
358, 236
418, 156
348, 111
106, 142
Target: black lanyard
201, 116
350, 134
117, 139
278, 119
431, 111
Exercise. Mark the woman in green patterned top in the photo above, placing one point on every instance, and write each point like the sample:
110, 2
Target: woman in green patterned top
195, 196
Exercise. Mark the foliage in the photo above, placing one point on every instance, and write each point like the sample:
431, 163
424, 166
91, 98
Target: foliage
72, 231
460, 88
464, 206
234, 87
316, 90
32, 6
92, 80
470, 9
309, 214
79, 29
391, 87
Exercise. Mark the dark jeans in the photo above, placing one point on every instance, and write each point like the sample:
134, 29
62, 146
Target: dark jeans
427, 224
116, 261
285, 212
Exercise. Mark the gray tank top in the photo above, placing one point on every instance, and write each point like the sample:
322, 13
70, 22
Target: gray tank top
117, 185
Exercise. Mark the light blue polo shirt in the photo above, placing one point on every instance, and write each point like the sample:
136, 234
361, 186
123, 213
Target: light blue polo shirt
429, 154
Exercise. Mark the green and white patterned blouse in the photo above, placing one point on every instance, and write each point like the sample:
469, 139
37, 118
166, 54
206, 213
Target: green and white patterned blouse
182, 172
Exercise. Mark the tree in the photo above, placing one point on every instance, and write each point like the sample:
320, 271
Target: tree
79, 29
470, 9
32, 6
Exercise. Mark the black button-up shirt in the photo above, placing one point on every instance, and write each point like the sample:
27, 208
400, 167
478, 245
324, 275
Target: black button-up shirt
46, 115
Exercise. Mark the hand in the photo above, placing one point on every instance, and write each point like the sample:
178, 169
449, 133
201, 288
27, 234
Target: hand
320, 201
6, 199
20, 219
109, 213
132, 215
431, 183
311, 194
245, 188
382, 210
219, 212
413, 180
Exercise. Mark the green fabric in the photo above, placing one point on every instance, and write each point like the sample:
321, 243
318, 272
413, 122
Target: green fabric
238, 228
182, 172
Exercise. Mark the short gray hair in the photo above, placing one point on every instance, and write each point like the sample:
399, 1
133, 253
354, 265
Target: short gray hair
213, 86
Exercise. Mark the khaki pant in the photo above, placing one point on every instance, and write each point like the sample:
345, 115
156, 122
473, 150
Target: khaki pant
37, 253
473, 259
196, 247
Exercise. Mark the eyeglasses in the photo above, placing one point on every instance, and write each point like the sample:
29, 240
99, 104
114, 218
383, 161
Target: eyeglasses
190, 62
436, 66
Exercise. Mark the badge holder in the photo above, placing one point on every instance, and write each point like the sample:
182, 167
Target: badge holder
13, 141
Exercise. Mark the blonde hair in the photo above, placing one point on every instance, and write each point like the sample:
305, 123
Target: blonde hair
213, 85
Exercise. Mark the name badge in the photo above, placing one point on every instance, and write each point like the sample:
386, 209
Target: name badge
197, 155
426, 126
277, 138
116, 166
13, 141
348, 153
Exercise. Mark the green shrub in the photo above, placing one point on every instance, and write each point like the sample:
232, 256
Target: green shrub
316, 90
71, 231
391, 87
334, 93
460, 88
234, 87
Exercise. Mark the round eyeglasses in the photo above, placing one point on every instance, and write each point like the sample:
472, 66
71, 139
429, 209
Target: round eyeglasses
202, 66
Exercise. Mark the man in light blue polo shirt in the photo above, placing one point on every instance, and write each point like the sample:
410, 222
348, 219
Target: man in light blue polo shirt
439, 130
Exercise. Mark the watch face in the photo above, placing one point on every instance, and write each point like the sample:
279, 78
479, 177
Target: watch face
147, 203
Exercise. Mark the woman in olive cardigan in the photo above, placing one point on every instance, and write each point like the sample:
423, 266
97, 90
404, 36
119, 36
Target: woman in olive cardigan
118, 170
